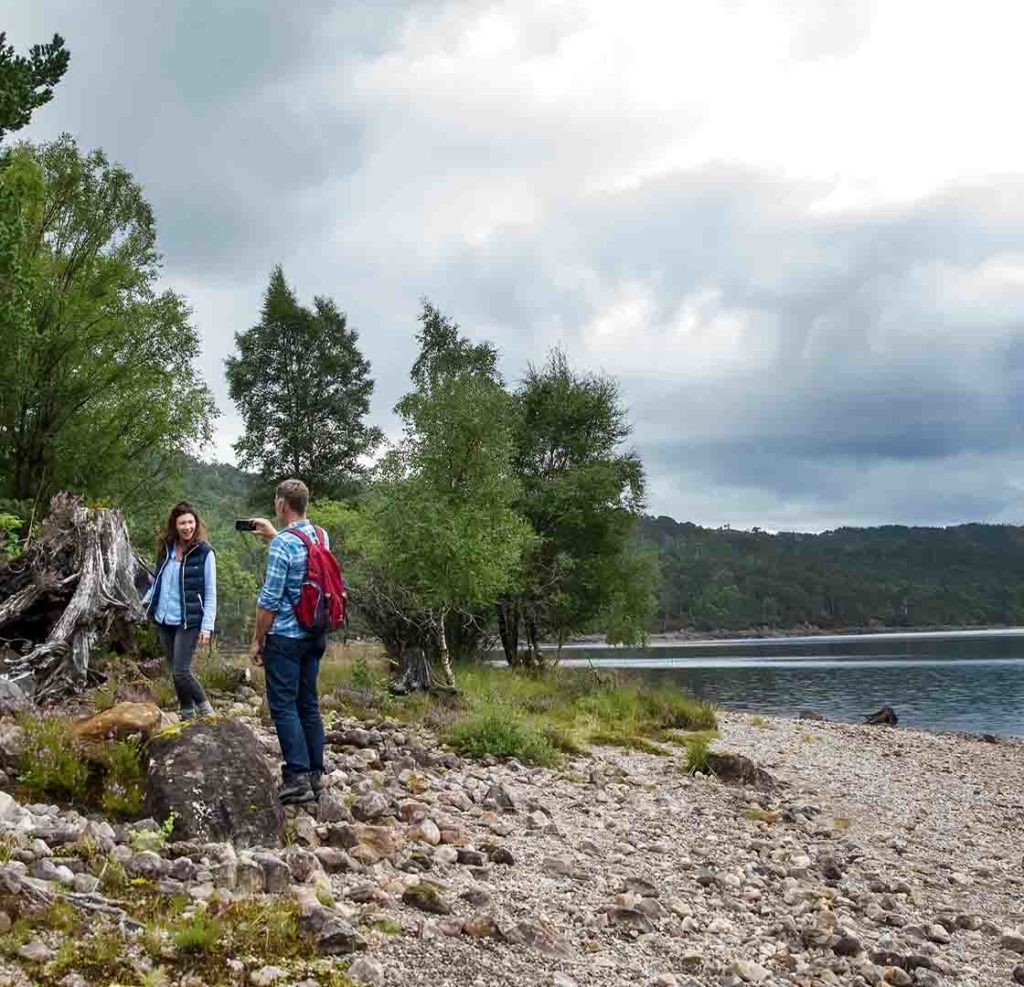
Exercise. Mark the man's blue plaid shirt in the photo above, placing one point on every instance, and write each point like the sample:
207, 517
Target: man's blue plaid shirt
286, 568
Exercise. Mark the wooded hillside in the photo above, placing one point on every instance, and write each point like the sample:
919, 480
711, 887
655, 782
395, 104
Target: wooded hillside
971, 574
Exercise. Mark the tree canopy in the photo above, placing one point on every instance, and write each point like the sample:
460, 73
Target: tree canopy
303, 390
98, 388
26, 82
581, 493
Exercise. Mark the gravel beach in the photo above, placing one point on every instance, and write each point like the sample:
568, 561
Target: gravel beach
880, 855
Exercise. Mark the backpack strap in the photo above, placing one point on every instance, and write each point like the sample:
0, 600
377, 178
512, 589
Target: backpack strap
301, 535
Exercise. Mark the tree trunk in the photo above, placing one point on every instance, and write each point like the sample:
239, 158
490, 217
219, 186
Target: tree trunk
442, 650
75, 586
414, 674
508, 630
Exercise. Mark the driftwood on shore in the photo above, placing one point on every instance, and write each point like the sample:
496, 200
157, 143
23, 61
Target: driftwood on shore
886, 717
75, 585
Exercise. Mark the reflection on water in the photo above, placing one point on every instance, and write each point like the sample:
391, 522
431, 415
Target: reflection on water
971, 682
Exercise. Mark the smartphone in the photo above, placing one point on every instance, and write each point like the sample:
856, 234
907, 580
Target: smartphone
245, 524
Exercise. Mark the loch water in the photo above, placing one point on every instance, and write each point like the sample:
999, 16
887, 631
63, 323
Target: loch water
959, 680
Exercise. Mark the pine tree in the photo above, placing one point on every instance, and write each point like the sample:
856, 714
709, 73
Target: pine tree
303, 390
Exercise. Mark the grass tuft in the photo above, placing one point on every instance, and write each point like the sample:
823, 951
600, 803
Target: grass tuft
697, 750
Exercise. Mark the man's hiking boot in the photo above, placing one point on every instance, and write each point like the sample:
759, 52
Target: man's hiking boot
316, 782
295, 791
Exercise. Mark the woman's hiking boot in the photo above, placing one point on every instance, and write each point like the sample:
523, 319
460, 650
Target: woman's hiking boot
295, 790
206, 709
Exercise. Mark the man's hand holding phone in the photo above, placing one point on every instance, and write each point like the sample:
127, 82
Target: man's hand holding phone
257, 525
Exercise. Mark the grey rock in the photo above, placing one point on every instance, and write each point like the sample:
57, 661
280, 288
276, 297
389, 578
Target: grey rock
146, 864
36, 951
370, 807
13, 699
847, 946
277, 877
1018, 974
267, 976
1012, 941
213, 778
332, 808
336, 937
498, 797
629, 918
85, 883
426, 898
367, 970
303, 864
502, 855
336, 861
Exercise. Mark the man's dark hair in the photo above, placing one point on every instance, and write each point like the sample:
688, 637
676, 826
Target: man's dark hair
295, 494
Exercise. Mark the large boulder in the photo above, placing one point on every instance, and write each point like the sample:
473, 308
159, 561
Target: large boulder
212, 776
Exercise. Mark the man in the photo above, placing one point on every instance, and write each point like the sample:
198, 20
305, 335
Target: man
289, 654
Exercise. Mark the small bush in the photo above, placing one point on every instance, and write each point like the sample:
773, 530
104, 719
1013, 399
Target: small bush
49, 765
124, 778
199, 934
498, 729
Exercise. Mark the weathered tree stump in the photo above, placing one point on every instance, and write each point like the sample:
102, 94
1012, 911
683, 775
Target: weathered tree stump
76, 585
886, 716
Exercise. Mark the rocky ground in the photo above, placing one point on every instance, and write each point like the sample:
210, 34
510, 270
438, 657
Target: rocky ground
881, 856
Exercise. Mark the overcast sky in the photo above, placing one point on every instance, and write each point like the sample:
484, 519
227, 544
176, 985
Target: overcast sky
794, 230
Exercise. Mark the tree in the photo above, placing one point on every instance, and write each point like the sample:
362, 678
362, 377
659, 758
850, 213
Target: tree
98, 387
582, 494
441, 524
303, 390
27, 83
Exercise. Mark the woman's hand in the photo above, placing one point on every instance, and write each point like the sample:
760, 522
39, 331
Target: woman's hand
262, 527
205, 637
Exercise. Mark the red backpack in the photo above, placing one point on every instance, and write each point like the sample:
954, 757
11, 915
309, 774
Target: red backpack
323, 602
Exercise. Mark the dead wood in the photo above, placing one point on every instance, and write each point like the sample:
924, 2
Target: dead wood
74, 587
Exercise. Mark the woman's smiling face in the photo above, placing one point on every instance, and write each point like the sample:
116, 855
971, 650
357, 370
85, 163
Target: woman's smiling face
186, 527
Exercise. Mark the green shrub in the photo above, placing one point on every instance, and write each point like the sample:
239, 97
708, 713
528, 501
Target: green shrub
499, 729
198, 934
49, 765
124, 778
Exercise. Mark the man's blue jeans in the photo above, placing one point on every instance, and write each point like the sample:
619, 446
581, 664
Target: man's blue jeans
292, 665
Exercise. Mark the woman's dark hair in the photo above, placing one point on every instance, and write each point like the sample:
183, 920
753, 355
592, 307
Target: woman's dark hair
170, 534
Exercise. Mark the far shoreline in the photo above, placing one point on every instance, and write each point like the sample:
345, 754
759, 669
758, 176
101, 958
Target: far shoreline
764, 634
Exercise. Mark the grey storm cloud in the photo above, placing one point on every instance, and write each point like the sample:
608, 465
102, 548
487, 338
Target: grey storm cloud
784, 367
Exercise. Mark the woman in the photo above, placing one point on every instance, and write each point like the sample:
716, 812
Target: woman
183, 602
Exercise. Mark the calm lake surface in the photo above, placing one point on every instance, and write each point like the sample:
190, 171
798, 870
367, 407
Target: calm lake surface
963, 680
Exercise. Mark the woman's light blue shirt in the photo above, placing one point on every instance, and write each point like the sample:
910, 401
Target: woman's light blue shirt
168, 610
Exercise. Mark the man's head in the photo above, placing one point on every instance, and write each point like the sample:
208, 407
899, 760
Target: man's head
291, 500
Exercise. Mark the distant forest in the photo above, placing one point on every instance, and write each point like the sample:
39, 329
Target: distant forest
891, 576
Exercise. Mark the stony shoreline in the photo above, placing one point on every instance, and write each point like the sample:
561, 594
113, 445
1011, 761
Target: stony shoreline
882, 856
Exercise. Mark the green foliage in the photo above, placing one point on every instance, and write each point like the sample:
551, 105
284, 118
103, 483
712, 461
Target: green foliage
497, 728
890, 576
303, 390
51, 768
98, 389
26, 83
10, 536
49, 765
697, 750
198, 934
581, 495
439, 523
124, 778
